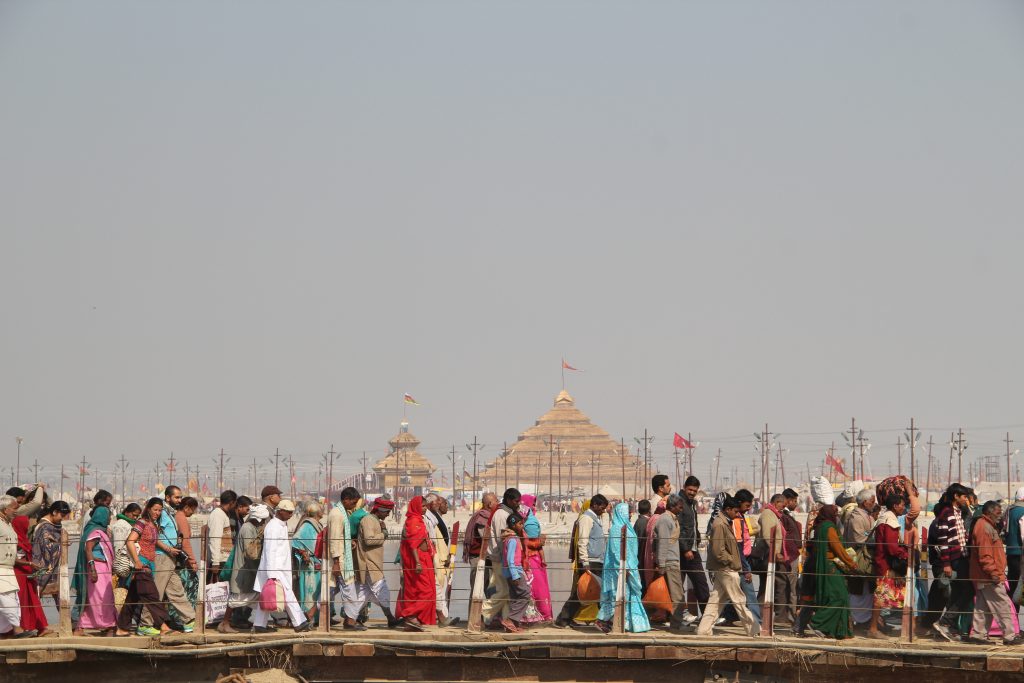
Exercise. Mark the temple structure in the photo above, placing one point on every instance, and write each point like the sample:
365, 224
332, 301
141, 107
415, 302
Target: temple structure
403, 467
563, 451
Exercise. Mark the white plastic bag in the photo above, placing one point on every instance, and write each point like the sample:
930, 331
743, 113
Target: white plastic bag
216, 601
821, 491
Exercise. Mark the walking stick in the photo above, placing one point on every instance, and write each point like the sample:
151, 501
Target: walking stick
768, 610
476, 600
204, 535
909, 590
324, 624
453, 547
64, 587
619, 618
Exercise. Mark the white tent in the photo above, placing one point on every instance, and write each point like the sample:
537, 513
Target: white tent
608, 492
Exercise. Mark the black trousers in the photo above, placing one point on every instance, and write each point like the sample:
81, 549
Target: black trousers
573, 605
961, 595
142, 593
694, 570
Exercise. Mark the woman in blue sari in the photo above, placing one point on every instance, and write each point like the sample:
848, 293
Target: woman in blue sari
307, 578
634, 615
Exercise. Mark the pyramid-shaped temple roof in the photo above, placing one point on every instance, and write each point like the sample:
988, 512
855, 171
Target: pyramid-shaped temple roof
404, 460
565, 435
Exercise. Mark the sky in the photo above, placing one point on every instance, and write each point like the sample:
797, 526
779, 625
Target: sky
255, 225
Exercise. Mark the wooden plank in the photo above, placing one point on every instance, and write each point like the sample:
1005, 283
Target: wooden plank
662, 652
47, 656
307, 650
567, 652
631, 652
997, 663
358, 650
603, 652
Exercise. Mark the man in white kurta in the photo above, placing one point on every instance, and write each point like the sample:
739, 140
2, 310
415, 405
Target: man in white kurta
276, 563
10, 605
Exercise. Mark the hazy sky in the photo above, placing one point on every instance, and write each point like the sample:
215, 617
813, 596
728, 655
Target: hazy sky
254, 225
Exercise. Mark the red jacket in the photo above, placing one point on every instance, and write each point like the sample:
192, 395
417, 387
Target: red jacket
887, 548
988, 556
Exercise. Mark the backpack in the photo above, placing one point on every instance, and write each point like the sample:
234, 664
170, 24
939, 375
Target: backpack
254, 546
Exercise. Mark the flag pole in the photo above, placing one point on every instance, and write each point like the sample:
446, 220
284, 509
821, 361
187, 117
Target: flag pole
563, 373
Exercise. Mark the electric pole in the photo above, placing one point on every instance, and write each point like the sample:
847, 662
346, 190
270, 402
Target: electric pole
675, 454
475, 447
1008, 441
82, 471
170, 470
718, 461
363, 460
961, 446
912, 439
899, 454
277, 460
622, 453
454, 490
551, 473
124, 468
853, 447
15, 480
689, 453
928, 485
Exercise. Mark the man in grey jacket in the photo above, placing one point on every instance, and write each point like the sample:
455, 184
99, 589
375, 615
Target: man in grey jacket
689, 541
666, 558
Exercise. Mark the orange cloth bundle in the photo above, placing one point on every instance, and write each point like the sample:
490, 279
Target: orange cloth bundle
657, 596
589, 588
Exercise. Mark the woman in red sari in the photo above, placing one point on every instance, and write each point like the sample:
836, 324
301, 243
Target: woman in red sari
417, 597
32, 617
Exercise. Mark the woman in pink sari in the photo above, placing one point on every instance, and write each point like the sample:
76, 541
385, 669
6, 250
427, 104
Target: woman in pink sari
94, 587
536, 567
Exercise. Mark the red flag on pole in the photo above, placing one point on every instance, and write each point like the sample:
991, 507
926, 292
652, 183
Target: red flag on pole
679, 442
566, 366
835, 464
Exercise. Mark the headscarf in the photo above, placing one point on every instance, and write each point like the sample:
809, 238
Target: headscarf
259, 512
20, 525
531, 525
827, 513
383, 504
98, 521
1019, 495
415, 530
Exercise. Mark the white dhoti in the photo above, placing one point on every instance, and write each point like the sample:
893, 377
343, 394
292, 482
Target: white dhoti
10, 611
276, 564
353, 597
378, 594
441, 596
291, 606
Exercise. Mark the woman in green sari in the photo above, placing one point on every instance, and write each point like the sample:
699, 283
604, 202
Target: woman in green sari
307, 578
831, 599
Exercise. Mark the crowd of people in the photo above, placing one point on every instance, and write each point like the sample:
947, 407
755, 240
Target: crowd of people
136, 570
